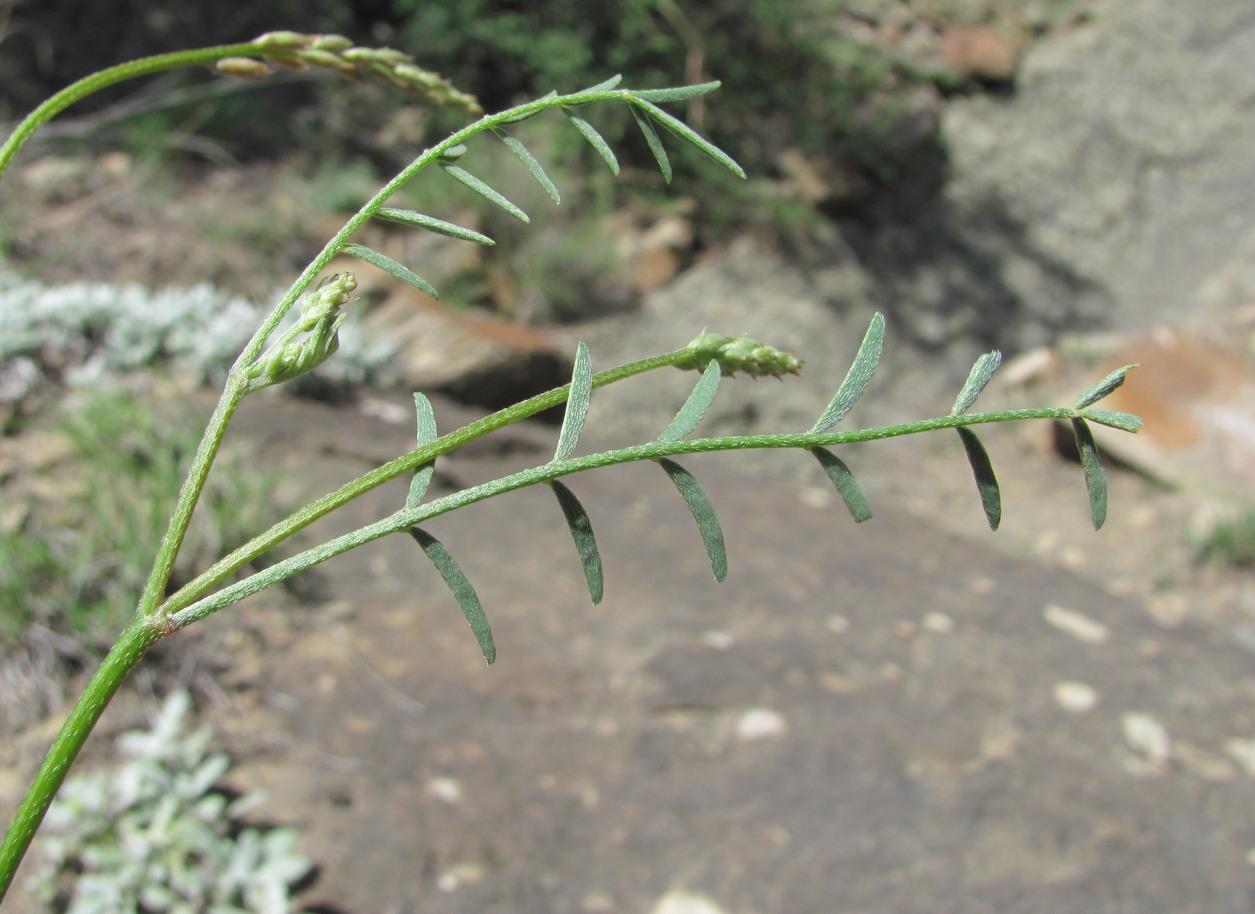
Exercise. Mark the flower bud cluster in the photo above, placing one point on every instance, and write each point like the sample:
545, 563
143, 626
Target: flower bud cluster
335, 52
739, 353
313, 340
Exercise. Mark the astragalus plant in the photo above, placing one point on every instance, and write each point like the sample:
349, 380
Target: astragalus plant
322, 303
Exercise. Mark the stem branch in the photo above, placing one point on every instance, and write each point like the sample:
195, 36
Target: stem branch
409, 517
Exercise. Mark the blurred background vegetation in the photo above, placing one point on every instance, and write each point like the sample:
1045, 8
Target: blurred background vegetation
829, 105
832, 106
843, 84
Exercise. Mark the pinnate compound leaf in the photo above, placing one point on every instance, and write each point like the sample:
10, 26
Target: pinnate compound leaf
1095, 478
426, 435
697, 404
597, 141
529, 162
462, 590
703, 513
1125, 422
488, 193
655, 144
857, 377
1102, 388
986, 481
847, 485
409, 217
582, 533
982, 370
677, 94
576, 404
688, 134
391, 267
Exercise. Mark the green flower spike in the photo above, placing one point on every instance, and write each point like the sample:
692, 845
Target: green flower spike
738, 353
313, 340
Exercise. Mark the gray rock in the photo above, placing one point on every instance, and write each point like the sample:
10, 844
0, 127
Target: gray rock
1116, 185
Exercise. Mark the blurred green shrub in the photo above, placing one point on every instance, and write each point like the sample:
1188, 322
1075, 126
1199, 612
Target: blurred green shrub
793, 74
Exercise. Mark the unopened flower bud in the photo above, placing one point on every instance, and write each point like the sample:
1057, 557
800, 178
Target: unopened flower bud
327, 59
313, 340
392, 56
417, 76
326, 300
242, 67
738, 354
384, 72
283, 40
332, 43
293, 359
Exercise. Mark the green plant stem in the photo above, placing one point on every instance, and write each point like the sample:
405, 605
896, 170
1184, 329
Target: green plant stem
253, 350
406, 518
298, 520
127, 651
189, 495
89, 85
153, 620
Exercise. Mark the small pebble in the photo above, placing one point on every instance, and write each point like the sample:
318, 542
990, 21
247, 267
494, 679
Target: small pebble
718, 639
760, 723
458, 875
838, 624
1243, 752
1079, 626
686, 903
1075, 696
447, 790
1147, 736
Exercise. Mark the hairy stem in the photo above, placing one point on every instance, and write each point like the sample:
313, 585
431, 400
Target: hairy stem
152, 619
235, 385
298, 520
409, 517
189, 495
89, 85
128, 650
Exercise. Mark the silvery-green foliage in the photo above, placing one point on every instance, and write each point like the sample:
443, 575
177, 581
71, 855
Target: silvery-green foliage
153, 834
81, 332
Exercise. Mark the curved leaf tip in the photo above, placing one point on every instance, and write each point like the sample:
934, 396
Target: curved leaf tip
581, 528
847, 486
686, 133
703, 513
857, 378
461, 589
577, 404
982, 370
986, 481
1103, 387
696, 406
392, 268
1095, 478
